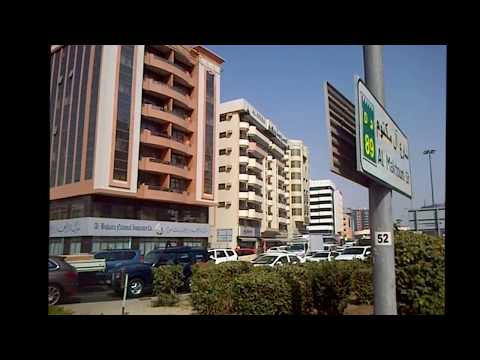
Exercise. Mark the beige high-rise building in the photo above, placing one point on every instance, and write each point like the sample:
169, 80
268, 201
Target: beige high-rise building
250, 178
298, 174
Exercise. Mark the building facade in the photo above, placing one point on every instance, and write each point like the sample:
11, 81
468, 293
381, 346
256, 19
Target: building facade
347, 231
250, 168
428, 219
132, 157
297, 180
360, 219
326, 208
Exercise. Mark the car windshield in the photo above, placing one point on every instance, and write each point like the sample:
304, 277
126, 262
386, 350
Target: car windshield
353, 251
265, 259
296, 247
151, 258
321, 255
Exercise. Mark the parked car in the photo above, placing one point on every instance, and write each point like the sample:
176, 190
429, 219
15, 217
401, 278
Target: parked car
349, 244
62, 280
115, 258
140, 275
329, 247
276, 259
222, 255
277, 249
322, 256
298, 249
355, 252
245, 251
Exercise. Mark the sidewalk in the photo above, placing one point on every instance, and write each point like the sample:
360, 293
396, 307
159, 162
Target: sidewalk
140, 306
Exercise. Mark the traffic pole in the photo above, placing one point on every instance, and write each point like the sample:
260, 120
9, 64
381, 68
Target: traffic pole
380, 203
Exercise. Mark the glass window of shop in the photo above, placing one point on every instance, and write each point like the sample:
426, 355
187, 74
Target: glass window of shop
55, 246
110, 243
75, 245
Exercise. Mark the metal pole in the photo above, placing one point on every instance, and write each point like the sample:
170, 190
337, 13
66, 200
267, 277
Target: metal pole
125, 295
380, 203
431, 176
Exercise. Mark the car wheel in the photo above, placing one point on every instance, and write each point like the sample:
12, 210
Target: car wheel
135, 287
55, 294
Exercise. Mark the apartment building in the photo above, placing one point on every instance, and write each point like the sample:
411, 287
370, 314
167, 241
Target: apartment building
347, 231
252, 193
326, 208
132, 132
360, 219
298, 175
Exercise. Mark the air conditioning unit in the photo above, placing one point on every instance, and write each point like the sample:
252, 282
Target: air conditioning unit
229, 133
229, 167
228, 185
228, 203
229, 117
229, 150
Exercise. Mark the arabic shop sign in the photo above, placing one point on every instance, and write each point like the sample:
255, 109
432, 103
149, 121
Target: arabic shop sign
125, 227
382, 147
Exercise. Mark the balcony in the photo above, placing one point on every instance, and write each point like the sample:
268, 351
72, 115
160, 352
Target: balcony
161, 88
244, 125
243, 177
159, 114
164, 141
244, 160
250, 196
257, 136
253, 180
270, 202
243, 142
256, 150
155, 61
269, 172
285, 157
243, 213
254, 165
163, 167
158, 193
287, 182
276, 151
269, 217
254, 214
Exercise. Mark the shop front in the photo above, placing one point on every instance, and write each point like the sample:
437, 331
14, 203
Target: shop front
90, 234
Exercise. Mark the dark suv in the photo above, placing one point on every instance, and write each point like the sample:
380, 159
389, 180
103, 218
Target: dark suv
114, 259
140, 276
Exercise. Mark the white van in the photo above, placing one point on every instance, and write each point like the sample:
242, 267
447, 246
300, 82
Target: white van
222, 255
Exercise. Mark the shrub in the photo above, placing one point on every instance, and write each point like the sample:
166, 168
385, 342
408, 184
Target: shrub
361, 291
166, 281
261, 292
58, 310
212, 286
300, 283
420, 273
164, 300
331, 281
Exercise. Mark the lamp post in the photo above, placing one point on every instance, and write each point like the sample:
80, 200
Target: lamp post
429, 152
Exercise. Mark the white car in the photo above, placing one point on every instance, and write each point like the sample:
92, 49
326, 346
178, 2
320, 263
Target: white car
349, 244
277, 249
297, 249
322, 256
355, 252
222, 255
276, 259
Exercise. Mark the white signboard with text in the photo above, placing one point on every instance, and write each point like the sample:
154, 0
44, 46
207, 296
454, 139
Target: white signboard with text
121, 227
382, 147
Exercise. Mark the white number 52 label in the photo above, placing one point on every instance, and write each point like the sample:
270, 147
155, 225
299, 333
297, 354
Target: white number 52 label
383, 238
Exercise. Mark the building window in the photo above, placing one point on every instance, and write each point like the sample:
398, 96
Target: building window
177, 184
223, 135
221, 186
295, 152
297, 212
110, 243
296, 187
92, 126
224, 235
178, 160
55, 246
124, 101
296, 199
222, 152
178, 135
209, 133
295, 164
296, 176
221, 204
222, 169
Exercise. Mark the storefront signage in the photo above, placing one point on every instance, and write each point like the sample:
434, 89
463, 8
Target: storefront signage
125, 227
248, 231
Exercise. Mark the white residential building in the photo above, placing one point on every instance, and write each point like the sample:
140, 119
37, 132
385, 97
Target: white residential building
326, 208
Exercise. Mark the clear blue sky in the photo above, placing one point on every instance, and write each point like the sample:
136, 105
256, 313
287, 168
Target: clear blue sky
285, 83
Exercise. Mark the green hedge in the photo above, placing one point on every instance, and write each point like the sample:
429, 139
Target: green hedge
212, 286
263, 291
299, 280
420, 274
166, 282
361, 290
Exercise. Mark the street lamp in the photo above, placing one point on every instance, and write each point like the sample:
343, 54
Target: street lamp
429, 152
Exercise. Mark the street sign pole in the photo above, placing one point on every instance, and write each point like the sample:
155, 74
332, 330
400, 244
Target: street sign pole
380, 204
